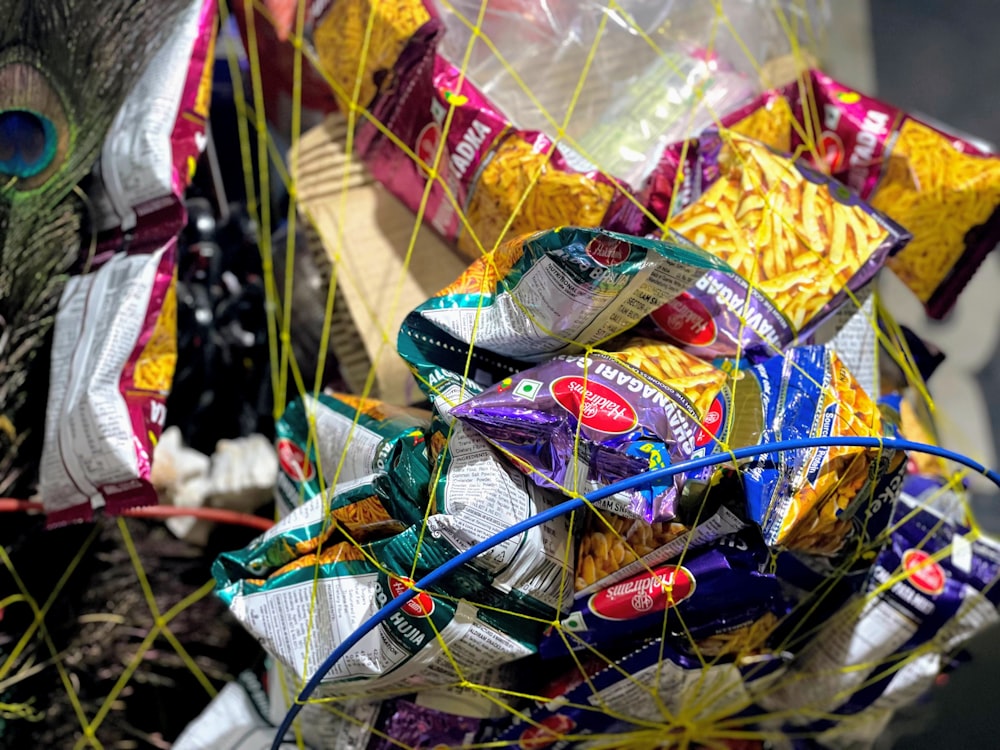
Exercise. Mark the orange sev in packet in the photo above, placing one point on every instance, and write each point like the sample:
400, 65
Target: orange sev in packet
942, 188
812, 499
797, 240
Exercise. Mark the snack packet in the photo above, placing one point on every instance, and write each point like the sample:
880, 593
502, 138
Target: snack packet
382, 438
113, 355
707, 593
114, 345
931, 590
507, 165
486, 165
907, 168
799, 242
580, 423
645, 686
417, 647
542, 295
612, 548
478, 494
808, 499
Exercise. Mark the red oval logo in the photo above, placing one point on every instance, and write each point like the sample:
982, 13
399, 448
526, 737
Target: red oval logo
686, 320
711, 423
594, 404
924, 573
422, 605
831, 148
608, 252
551, 729
427, 142
294, 462
664, 587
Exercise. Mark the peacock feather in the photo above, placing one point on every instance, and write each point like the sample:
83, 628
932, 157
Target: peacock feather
65, 68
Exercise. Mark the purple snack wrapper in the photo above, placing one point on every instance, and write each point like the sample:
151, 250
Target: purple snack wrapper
422, 728
706, 593
931, 589
578, 423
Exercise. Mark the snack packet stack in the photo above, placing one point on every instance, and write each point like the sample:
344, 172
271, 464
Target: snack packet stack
801, 593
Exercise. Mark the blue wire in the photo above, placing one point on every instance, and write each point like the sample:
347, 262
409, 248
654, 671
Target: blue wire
657, 475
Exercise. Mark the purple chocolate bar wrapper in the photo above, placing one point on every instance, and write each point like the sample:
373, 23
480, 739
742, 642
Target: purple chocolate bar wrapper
578, 427
710, 592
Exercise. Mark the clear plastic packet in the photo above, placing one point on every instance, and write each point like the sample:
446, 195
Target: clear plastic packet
114, 346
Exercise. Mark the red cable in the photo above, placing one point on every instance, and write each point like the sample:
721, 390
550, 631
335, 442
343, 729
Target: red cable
218, 515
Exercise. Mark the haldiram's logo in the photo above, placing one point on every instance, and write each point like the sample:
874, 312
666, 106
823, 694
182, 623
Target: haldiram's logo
596, 405
711, 423
294, 462
923, 572
686, 320
608, 252
665, 587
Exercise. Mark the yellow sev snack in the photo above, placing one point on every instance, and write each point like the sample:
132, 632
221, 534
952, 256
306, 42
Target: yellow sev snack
941, 188
796, 240
938, 193
810, 499
525, 178
693, 378
154, 368
793, 238
341, 35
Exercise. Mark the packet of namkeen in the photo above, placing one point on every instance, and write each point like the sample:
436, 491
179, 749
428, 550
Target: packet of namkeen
489, 171
545, 294
285, 577
931, 589
353, 438
942, 188
798, 241
814, 499
114, 347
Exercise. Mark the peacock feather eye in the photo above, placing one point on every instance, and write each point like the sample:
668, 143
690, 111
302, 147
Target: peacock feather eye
27, 142
34, 130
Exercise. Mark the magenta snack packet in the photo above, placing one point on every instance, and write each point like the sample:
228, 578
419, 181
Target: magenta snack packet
114, 345
487, 163
577, 423
941, 187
